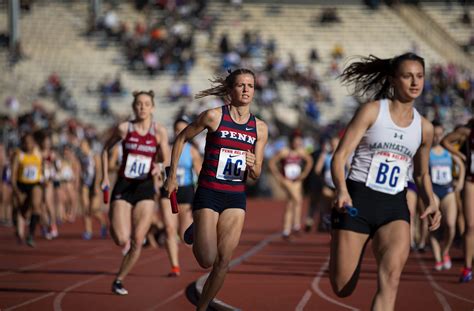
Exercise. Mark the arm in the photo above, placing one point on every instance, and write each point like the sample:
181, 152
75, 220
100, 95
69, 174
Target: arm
318, 167
462, 173
118, 134
308, 164
255, 161
362, 120
97, 172
208, 119
273, 164
460, 135
14, 177
197, 160
162, 138
422, 176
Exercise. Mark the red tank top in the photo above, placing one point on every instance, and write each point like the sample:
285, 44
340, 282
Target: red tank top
291, 166
224, 167
139, 153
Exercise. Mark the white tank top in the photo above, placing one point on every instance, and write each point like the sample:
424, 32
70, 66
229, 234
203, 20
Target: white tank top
384, 155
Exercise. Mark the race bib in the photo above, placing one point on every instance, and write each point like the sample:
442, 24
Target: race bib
137, 166
180, 172
388, 172
30, 173
292, 171
231, 165
441, 175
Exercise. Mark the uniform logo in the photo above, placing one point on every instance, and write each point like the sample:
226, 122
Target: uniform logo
398, 135
239, 136
148, 142
133, 139
249, 128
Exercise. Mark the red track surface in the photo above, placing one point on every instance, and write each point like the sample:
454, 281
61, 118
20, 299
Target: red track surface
72, 274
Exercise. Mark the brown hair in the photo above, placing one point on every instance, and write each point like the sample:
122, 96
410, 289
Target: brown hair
224, 85
371, 74
138, 93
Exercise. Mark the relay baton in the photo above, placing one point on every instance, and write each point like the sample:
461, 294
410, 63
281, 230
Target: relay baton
106, 194
174, 202
352, 211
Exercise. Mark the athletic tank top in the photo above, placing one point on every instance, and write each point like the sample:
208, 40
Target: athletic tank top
441, 167
184, 174
327, 171
224, 163
88, 169
291, 166
384, 154
29, 169
49, 171
138, 153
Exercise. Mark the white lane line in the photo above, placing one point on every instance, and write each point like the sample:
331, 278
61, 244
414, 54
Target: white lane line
435, 285
315, 287
30, 301
51, 262
443, 301
59, 298
167, 300
304, 300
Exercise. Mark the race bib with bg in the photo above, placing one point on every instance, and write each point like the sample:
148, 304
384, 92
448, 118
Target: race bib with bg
231, 165
137, 166
388, 172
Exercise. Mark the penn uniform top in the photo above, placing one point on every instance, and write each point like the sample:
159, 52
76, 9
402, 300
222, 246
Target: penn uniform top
385, 153
224, 166
138, 153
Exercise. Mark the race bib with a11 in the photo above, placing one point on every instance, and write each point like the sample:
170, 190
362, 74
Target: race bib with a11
441, 175
388, 172
231, 165
292, 170
137, 166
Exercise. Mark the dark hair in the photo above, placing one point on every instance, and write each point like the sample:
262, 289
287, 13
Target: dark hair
138, 93
182, 118
371, 74
436, 123
224, 85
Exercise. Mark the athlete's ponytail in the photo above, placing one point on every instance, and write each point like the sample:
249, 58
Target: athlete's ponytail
224, 85
370, 76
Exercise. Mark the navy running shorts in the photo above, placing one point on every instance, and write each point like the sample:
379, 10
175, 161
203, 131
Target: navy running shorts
442, 190
375, 209
185, 194
217, 200
133, 191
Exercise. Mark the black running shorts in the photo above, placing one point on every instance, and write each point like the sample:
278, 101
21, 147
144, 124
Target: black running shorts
375, 209
217, 200
133, 191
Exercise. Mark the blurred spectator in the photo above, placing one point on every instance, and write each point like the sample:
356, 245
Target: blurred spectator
466, 17
337, 52
12, 104
329, 15
313, 55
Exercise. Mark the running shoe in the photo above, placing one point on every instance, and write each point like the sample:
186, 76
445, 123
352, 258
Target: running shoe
54, 231
439, 266
103, 232
189, 235
447, 264
175, 272
117, 288
466, 275
30, 242
87, 235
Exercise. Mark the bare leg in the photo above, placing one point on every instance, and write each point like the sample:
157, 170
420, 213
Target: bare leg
229, 228
391, 247
412, 198
448, 207
469, 217
141, 220
120, 215
347, 249
171, 225
205, 236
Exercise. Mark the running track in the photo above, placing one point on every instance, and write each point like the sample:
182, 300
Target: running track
267, 274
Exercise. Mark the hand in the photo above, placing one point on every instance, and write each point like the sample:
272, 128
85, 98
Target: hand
249, 159
342, 199
458, 185
156, 169
170, 185
434, 216
105, 183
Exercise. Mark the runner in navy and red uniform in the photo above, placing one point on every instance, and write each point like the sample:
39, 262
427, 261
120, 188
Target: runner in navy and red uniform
465, 135
290, 166
234, 151
132, 201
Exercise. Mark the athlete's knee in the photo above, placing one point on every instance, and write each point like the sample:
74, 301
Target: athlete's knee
204, 259
222, 263
119, 238
390, 278
469, 230
136, 244
170, 231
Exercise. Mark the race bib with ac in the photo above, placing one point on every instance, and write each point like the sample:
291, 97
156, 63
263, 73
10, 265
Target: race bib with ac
231, 165
292, 171
137, 166
30, 173
388, 172
441, 175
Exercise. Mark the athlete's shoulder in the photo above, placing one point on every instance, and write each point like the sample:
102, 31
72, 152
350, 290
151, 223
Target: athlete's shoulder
160, 128
261, 126
427, 129
122, 127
